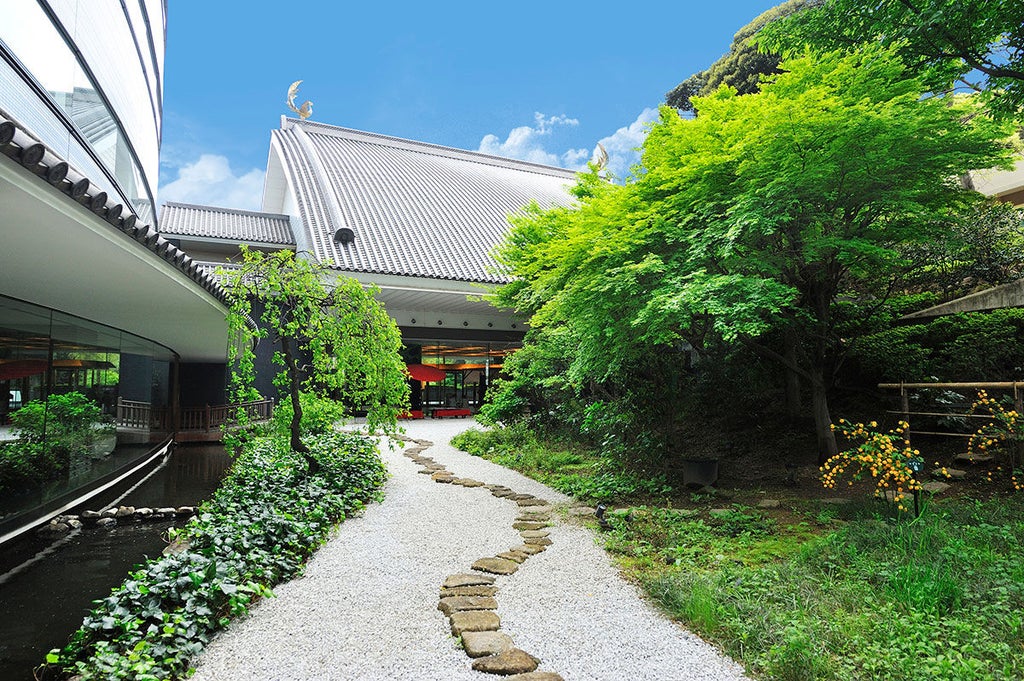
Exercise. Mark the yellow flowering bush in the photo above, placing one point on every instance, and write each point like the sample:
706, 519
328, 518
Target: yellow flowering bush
1003, 434
884, 456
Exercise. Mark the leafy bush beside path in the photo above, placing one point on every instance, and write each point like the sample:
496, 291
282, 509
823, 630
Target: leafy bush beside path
259, 529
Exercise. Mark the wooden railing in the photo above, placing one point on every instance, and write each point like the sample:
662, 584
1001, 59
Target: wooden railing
963, 413
142, 415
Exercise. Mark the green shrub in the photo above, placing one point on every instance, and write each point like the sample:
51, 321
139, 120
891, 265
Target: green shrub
52, 436
261, 526
319, 415
937, 598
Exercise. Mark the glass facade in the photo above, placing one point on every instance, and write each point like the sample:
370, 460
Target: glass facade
469, 368
89, 111
76, 399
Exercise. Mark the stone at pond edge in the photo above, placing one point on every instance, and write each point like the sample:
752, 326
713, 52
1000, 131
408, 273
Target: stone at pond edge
452, 604
467, 579
474, 620
124, 511
90, 515
106, 522
481, 643
498, 566
510, 662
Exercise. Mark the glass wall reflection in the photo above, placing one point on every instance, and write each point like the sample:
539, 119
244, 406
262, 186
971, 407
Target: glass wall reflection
78, 400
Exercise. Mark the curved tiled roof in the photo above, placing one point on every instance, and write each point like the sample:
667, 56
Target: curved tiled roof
183, 219
415, 209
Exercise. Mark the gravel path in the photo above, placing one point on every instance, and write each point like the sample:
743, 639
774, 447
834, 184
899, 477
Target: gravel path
366, 607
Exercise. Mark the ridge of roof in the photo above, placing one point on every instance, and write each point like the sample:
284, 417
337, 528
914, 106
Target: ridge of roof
230, 211
426, 147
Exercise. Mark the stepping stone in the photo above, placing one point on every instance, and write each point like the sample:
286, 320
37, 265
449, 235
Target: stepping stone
531, 549
442, 477
513, 661
533, 534
533, 501
517, 556
528, 525
459, 603
521, 497
935, 487
474, 620
469, 482
494, 487
768, 503
536, 676
467, 579
537, 541
498, 566
581, 511
501, 493
951, 474
533, 518
966, 457
481, 643
835, 501
469, 591
720, 512
426, 471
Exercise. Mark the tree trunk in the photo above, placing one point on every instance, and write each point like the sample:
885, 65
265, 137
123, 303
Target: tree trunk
827, 447
793, 403
294, 384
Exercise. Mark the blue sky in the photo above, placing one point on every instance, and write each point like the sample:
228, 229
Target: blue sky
542, 81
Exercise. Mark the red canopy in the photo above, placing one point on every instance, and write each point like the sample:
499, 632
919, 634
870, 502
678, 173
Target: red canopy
20, 368
423, 372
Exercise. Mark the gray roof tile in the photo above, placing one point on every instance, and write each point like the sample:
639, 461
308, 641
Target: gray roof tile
416, 209
187, 220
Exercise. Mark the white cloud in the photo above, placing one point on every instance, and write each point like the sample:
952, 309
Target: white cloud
526, 143
623, 146
209, 181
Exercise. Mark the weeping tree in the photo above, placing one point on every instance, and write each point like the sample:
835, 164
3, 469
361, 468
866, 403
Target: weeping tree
332, 339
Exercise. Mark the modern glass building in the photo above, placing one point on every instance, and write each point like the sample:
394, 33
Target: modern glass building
94, 304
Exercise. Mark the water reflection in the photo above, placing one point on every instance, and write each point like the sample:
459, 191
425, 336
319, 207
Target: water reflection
42, 605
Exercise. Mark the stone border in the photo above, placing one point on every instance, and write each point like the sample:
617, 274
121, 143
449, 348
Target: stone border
108, 518
468, 599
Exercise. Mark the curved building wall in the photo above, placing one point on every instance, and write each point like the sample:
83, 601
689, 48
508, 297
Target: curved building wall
100, 109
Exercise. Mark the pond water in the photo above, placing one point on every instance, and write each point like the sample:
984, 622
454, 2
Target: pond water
42, 604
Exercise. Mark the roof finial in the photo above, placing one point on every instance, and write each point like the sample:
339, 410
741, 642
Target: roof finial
600, 159
304, 111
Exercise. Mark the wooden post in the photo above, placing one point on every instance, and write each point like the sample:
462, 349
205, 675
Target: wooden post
905, 407
206, 419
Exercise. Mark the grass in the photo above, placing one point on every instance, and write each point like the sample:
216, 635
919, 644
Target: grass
814, 592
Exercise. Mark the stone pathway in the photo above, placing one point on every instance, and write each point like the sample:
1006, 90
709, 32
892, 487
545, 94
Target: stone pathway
465, 572
467, 599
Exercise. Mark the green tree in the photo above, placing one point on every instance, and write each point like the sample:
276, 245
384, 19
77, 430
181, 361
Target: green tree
752, 218
331, 340
978, 43
742, 67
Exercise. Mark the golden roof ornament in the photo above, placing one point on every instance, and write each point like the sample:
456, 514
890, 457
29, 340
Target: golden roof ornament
600, 159
304, 111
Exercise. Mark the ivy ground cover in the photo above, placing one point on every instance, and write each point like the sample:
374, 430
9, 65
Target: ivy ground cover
259, 529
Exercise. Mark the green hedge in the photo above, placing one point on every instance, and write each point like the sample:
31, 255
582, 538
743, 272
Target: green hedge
259, 529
